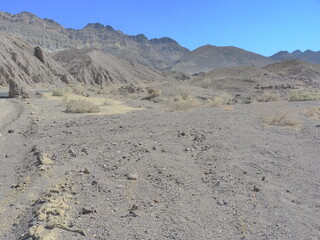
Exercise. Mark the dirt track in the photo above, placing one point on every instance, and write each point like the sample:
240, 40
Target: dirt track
204, 174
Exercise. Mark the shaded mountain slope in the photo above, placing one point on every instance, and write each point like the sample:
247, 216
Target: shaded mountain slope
94, 67
207, 58
307, 56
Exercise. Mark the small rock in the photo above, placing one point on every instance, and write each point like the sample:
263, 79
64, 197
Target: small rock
72, 152
134, 207
85, 211
132, 176
263, 178
156, 200
256, 189
94, 182
85, 151
86, 171
154, 148
221, 202
11, 131
318, 126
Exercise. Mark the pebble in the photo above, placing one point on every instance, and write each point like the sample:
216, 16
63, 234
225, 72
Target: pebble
256, 189
72, 152
11, 131
132, 176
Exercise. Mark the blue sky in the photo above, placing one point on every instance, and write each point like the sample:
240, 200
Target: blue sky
261, 26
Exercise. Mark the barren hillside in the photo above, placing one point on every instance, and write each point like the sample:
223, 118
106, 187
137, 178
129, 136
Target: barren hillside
28, 66
94, 67
207, 58
51, 36
297, 71
307, 56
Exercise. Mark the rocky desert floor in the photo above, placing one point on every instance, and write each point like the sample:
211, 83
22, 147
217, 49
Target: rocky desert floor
141, 172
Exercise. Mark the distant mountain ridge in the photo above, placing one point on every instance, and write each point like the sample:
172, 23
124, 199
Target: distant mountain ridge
159, 53
307, 56
208, 57
52, 37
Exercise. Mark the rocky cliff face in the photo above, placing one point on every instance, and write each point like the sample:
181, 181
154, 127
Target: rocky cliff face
158, 53
23, 66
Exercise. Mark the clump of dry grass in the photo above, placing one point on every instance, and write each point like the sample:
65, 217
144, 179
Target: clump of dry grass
181, 103
303, 95
268, 97
281, 117
154, 93
314, 113
59, 92
81, 106
222, 99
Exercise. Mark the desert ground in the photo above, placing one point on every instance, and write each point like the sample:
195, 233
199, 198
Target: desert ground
139, 169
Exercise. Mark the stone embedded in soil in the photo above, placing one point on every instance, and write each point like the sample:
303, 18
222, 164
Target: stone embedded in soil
72, 152
132, 176
85, 211
11, 131
256, 189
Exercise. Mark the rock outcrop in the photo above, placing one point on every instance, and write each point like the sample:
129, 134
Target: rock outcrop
23, 67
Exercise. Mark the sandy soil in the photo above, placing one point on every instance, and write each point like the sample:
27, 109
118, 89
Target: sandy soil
208, 173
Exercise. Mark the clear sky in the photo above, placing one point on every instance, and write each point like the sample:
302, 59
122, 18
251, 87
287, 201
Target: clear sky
261, 26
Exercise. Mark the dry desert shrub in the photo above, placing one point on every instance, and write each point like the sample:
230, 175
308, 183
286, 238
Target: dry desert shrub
280, 117
81, 106
222, 99
181, 103
268, 97
314, 113
303, 95
154, 93
59, 92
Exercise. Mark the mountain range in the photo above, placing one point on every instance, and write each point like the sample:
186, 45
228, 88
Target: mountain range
52, 37
307, 56
159, 53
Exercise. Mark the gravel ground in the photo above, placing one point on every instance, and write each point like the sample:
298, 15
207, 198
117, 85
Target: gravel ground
208, 173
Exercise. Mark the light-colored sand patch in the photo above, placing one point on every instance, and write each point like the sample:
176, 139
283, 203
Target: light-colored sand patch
106, 105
